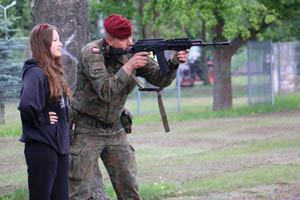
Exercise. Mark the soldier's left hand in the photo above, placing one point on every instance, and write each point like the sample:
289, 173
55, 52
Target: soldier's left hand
182, 55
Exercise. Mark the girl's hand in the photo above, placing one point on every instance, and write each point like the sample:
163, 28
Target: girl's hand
53, 117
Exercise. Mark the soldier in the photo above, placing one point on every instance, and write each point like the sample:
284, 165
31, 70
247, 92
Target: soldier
103, 84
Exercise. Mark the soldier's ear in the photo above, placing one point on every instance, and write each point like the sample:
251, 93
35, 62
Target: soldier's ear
108, 40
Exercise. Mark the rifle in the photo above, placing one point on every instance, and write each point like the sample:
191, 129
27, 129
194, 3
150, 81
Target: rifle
158, 46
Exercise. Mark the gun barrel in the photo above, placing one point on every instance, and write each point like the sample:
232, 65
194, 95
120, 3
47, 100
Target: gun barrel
201, 43
216, 43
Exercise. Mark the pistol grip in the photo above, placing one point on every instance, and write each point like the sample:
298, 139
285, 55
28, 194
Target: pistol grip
162, 62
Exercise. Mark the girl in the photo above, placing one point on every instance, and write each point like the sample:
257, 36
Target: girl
44, 115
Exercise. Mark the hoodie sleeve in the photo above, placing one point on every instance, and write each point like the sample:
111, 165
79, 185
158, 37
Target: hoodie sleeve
33, 97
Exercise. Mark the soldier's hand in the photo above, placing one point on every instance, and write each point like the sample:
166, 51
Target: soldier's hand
137, 61
182, 56
53, 117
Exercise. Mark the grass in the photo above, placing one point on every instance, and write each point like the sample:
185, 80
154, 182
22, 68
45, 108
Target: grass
192, 109
11, 129
230, 152
19, 194
288, 102
261, 175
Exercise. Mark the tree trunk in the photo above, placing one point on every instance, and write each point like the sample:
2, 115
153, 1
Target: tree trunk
71, 17
146, 28
222, 70
222, 78
156, 33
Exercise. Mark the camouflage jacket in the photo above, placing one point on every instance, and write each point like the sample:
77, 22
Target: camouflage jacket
102, 85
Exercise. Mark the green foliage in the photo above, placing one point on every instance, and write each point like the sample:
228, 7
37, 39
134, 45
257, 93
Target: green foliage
24, 23
102, 9
287, 24
239, 17
18, 23
6, 27
126, 8
95, 10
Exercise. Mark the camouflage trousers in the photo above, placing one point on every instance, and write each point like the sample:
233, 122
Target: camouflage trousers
112, 146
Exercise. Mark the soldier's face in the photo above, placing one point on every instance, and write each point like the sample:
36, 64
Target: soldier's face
120, 43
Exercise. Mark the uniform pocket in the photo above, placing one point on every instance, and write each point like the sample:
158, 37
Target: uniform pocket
76, 163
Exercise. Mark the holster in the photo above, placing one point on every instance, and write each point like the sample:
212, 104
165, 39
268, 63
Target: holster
126, 120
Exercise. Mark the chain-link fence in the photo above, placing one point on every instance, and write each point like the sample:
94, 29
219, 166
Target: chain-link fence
260, 79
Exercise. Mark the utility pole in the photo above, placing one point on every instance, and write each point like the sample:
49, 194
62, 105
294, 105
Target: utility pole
4, 9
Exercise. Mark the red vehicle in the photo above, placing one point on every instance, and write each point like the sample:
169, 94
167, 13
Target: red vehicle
191, 74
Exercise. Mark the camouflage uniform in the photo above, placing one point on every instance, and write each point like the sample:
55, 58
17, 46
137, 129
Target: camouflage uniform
101, 91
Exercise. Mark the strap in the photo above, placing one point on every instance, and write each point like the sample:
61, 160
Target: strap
163, 112
159, 101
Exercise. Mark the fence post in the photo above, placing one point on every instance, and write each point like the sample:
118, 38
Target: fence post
2, 108
272, 72
138, 102
279, 71
249, 74
178, 92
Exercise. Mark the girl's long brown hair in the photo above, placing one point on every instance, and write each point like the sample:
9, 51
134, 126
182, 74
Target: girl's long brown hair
40, 43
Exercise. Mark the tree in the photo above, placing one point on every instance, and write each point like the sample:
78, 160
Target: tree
7, 19
23, 24
287, 27
19, 19
70, 18
233, 20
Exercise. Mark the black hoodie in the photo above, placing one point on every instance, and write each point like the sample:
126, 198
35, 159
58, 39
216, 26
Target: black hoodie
35, 106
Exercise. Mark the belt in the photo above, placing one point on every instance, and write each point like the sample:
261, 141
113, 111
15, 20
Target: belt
94, 122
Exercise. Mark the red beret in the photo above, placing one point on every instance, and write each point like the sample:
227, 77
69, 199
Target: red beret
118, 26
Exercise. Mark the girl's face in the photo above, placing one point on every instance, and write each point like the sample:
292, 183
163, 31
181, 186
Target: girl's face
56, 45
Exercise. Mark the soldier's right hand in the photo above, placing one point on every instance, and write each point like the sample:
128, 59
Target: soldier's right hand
137, 61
